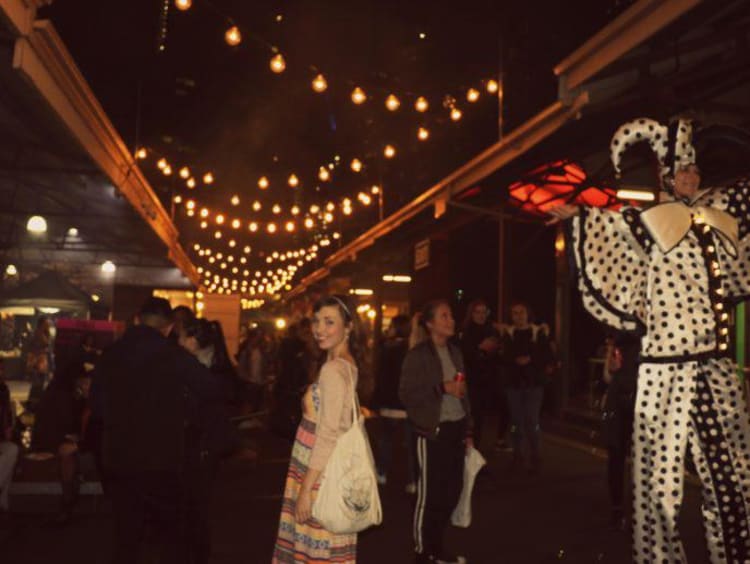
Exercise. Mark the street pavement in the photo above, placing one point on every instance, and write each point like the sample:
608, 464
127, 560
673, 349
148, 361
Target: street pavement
559, 515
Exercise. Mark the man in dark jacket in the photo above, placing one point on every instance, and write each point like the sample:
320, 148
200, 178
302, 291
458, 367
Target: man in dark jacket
143, 387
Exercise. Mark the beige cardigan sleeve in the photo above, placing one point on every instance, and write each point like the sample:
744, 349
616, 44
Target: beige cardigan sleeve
335, 416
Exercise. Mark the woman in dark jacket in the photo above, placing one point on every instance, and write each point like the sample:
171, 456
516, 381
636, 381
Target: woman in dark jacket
391, 353
433, 390
526, 354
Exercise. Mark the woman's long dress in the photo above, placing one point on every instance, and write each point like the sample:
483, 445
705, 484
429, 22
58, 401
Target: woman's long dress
308, 542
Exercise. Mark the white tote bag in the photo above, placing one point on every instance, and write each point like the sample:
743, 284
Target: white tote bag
473, 462
348, 500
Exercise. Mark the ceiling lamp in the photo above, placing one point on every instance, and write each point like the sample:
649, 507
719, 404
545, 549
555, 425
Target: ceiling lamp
263, 183
421, 105
233, 37
278, 64
359, 96
389, 151
392, 103
108, 267
319, 84
36, 224
423, 134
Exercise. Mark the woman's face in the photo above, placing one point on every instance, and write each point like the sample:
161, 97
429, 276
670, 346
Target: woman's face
519, 315
328, 327
190, 344
479, 314
442, 324
687, 180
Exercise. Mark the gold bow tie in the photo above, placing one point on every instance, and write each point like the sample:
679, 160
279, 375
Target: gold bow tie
670, 222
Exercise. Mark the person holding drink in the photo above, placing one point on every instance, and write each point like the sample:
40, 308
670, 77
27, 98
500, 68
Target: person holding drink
434, 392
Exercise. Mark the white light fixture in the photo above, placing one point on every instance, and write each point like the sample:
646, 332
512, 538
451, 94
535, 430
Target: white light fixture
361, 291
638, 195
36, 224
72, 232
11, 270
108, 267
95, 297
402, 278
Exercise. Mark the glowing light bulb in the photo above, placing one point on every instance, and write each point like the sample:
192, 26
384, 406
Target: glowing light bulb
236, 224
319, 83
472, 95
271, 227
185, 172
204, 212
389, 151
141, 153
359, 96
217, 234
392, 103
183, 5
423, 134
456, 114
276, 209
219, 219
108, 267
190, 183
252, 226
36, 224
492, 86
293, 180
232, 36
375, 189
323, 174
278, 64
263, 183
328, 217
190, 204
161, 164
256, 205
356, 165
208, 178
167, 170
177, 199
309, 223
289, 226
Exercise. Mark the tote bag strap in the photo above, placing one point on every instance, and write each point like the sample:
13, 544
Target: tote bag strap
355, 398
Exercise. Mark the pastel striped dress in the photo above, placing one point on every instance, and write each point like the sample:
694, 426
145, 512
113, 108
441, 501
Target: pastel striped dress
309, 542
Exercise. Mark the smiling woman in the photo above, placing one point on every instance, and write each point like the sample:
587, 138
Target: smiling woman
327, 414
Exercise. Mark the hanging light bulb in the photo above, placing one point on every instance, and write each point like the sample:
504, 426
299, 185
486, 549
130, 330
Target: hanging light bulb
319, 84
392, 103
36, 224
323, 174
11, 270
185, 172
256, 205
423, 134
108, 267
309, 223
217, 234
190, 183
492, 86
263, 183
252, 226
167, 170
421, 105
235, 224
472, 95
235, 200
233, 37
356, 165
364, 198
219, 219
161, 164
375, 189
183, 5
389, 151
295, 210
204, 224
271, 227
278, 64
456, 114
293, 180
190, 204
177, 199
208, 178
276, 209
204, 212
359, 96
330, 206
141, 153
328, 217
314, 209
289, 226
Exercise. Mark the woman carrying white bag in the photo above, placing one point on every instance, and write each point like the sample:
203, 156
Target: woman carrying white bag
331, 476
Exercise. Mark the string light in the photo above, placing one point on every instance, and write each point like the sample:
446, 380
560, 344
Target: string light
185, 172
319, 83
235, 200
309, 223
208, 178
161, 164
204, 212
472, 95
177, 199
456, 114
236, 224
271, 228
183, 5
252, 226
356, 165
389, 151
233, 37
276, 209
278, 64
190, 183
323, 174
359, 96
289, 226
293, 180
492, 86
392, 103
375, 189
219, 219
295, 210
263, 183
423, 134
141, 153
256, 205
167, 170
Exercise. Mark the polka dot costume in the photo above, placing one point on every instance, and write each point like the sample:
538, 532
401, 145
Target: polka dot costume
689, 397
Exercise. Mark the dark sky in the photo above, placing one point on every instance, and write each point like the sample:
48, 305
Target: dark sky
213, 107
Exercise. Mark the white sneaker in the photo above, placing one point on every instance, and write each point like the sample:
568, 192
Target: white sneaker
411, 488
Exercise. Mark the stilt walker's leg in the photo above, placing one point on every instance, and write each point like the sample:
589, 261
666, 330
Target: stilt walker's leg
659, 443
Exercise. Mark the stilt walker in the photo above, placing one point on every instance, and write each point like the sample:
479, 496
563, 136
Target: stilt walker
672, 273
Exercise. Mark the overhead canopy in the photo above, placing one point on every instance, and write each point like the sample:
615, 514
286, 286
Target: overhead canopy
48, 290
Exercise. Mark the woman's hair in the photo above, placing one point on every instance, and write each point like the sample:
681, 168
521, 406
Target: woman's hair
346, 308
209, 334
468, 320
417, 333
428, 312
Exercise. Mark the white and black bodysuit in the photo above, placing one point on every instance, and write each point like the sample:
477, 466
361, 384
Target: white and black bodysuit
672, 273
